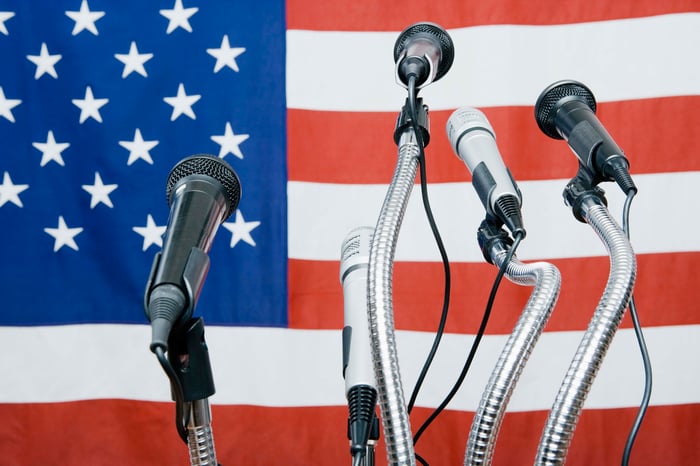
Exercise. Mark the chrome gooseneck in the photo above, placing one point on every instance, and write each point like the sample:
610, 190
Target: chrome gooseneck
589, 207
547, 282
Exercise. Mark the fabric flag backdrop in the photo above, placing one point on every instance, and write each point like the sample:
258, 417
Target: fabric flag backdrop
99, 100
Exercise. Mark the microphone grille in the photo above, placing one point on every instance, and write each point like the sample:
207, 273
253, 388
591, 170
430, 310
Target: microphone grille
354, 251
435, 32
212, 166
553, 97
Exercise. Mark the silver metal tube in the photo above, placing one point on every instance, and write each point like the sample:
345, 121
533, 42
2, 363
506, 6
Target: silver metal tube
200, 438
397, 430
584, 366
489, 416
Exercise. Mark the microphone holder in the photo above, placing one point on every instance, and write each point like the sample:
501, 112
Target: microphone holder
189, 357
394, 413
589, 205
546, 279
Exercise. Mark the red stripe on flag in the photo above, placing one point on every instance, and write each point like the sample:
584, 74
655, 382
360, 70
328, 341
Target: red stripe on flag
667, 437
316, 298
143, 433
370, 15
657, 135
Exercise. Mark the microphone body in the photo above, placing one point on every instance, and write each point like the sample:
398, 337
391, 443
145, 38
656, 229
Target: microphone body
202, 191
566, 110
474, 141
423, 50
358, 370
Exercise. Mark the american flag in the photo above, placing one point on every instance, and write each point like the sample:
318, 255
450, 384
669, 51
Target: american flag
99, 100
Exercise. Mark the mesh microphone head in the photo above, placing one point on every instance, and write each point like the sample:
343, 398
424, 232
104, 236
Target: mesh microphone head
433, 33
553, 97
212, 166
354, 251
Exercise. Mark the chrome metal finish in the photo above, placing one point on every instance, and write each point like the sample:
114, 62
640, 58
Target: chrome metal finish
515, 354
584, 367
397, 430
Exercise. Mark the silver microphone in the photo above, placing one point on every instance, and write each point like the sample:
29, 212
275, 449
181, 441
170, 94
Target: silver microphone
474, 141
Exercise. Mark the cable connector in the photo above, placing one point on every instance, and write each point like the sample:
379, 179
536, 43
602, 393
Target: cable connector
362, 400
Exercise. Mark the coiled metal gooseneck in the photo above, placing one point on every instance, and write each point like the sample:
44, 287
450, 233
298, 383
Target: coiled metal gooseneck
397, 430
584, 367
489, 416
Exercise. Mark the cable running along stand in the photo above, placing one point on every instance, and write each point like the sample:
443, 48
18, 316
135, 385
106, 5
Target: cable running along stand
423, 53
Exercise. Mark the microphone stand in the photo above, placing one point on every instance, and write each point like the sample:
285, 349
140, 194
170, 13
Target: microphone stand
589, 205
189, 357
546, 279
395, 422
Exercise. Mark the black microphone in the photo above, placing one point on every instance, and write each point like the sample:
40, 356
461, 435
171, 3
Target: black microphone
474, 141
423, 50
566, 110
202, 191
358, 371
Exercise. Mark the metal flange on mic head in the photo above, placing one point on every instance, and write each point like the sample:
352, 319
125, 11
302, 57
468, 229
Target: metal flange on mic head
554, 97
424, 49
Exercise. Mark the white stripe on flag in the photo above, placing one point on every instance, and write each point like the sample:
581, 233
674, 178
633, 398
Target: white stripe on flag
320, 215
281, 367
618, 59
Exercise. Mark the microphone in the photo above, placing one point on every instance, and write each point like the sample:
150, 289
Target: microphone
474, 141
423, 50
358, 371
566, 110
202, 191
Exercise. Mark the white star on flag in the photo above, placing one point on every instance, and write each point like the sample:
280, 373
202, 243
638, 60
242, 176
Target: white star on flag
85, 19
51, 150
133, 61
63, 236
6, 106
152, 234
225, 55
138, 148
9, 192
44, 62
182, 103
4, 16
240, 229
99, 192
90, 106
229, 142
179, 17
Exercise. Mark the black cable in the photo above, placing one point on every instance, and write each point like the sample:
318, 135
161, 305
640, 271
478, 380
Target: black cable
477, 339
177, 392
436, 234
421, 460
642, 348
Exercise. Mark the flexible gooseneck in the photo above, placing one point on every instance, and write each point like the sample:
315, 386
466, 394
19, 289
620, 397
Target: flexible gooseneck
547, 283
589, 207
395, 423
200, 437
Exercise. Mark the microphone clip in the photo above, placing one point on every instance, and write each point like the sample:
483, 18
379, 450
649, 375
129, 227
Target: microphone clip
405, 121
492, 239
583, 190
189, 356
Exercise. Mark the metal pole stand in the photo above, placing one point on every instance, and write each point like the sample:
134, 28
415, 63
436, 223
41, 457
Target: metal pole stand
189, 357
